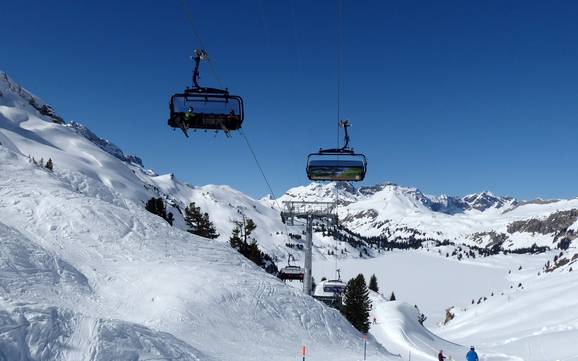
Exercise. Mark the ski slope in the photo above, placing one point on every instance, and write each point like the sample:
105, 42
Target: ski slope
538, 322
79, 274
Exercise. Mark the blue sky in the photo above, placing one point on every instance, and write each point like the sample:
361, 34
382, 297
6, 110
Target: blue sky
451, 97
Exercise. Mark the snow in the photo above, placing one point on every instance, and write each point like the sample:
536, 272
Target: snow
87, 273
536, 323
84, 257
397, 328
429, 280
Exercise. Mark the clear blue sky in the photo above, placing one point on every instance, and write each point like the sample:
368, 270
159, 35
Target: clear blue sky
451, 97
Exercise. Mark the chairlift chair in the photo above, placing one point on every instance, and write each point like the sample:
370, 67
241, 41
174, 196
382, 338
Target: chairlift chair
205, 108
334, 286
291, 273
340, 164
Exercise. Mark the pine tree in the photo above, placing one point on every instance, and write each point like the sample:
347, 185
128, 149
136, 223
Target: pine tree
208, 229
248, 247
357, 303
156, 206
170, 218
392, 297
49, 165
373, 284
235, 240
199, 223
250, 226
193, 218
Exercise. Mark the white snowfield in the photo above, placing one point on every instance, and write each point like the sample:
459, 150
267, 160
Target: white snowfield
397, 328
537, 322
84, 279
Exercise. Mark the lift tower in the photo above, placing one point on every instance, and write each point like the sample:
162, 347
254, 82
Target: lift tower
309, 211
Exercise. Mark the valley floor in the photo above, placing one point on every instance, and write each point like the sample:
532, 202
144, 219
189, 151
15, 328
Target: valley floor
535, 321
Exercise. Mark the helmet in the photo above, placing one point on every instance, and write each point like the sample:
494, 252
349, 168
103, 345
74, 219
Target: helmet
472, 348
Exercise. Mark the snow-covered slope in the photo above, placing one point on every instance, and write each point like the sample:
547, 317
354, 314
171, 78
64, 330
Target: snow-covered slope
399, 330
87, 274
98, 168
535, 320
83, 276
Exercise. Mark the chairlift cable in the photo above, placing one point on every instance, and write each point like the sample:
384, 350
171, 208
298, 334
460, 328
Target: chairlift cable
252, 151
189, 16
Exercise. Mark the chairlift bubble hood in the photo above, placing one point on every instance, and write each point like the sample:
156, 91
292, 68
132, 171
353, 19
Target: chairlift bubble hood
339, 164
205, 108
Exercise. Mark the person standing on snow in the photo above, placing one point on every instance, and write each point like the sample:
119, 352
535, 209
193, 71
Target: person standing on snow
441, 356
472, 355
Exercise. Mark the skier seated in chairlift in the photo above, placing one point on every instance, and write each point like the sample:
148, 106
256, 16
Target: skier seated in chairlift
189, 114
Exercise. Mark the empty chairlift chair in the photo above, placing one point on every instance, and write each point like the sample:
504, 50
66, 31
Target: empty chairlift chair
340, 164
205, 108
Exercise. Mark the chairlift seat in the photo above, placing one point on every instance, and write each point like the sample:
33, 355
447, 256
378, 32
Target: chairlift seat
292, 273
334, 286
209, 111
332, 167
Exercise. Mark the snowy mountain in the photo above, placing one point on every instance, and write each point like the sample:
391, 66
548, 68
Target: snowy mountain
87, 274
401, 214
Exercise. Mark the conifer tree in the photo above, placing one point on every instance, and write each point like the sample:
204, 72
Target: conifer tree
248, 247
392, 297
373, 284
170, 218
199, 223
208, 229
49, 165
156, 206
235, 240
193, 218
357, 303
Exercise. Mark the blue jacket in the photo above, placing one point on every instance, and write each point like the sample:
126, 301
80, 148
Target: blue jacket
472, 356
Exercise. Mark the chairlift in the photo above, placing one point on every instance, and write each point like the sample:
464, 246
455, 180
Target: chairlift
337, 287
334, 286
340, 164
205, 108
291, 273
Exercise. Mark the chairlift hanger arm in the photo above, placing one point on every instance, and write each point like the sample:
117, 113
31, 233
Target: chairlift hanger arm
345, 149
197, 56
